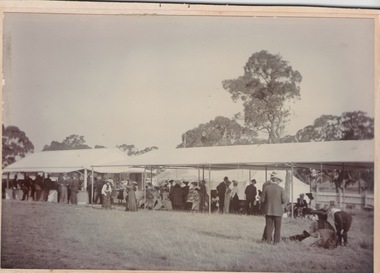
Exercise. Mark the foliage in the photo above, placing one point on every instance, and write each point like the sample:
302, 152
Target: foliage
349, 126
15, 145
217, 132
71, 142
356, 125
132, 150
267, 84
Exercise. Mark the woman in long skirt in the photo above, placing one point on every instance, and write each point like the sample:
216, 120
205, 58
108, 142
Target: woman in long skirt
165, 198
132, 201
227, 198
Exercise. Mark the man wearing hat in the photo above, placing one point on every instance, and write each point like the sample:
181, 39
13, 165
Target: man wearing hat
250, 196
273, 197
221, 190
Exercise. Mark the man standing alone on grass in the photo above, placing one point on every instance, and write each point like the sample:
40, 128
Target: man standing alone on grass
273, 197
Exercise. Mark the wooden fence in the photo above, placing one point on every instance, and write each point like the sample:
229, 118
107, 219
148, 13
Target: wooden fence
352, 201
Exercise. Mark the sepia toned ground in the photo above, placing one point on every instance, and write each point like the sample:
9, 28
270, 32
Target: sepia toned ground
53, 236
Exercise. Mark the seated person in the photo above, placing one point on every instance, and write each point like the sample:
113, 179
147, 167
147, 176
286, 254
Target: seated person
321, 233
299, 206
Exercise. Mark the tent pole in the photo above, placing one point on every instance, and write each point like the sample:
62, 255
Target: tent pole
92, 187
291, 181
316, 183
250, 175
7, 180
203, 172
143, 188
85, 180
266, 173
343, 189
209, 183
151, 175
199, 174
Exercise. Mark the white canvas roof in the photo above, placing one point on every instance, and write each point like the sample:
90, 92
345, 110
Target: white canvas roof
332, 154
69, 161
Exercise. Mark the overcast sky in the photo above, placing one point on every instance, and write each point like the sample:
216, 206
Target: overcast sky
145, 80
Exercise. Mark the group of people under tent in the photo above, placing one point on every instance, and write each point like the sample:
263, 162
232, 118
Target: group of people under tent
39, 187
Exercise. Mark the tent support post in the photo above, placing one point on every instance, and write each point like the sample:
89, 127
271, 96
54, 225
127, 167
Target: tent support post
199, 174
209, 189
7, 180
266, 173
92, 187
151, 175
291, 181
143, 188
85, 180
321, 179
203, 173
250, 175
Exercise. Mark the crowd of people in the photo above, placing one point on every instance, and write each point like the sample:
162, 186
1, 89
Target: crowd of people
185, 196
38, 189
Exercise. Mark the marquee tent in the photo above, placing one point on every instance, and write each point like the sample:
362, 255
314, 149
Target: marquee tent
316, 155
69, 161
331, 154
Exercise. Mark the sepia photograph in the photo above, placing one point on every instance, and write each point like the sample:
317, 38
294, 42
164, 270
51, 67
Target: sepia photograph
184, 137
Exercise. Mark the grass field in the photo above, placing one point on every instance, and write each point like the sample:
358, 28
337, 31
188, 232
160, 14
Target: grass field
51, 236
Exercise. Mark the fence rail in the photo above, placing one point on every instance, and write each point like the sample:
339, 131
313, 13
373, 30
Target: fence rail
348, 201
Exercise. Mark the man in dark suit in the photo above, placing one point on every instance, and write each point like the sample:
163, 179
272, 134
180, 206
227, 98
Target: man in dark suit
221, 189
273, 198
74, 188
250, 196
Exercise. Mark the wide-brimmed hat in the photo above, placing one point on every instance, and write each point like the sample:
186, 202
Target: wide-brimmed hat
253, 181
274, 175
134, 182
178, 182
109, 180
235, 182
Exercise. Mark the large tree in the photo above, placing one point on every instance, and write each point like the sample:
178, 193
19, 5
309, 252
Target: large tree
15, 145
217, 132
267, 85
72, 142
357, 125
324, 128
349, 126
